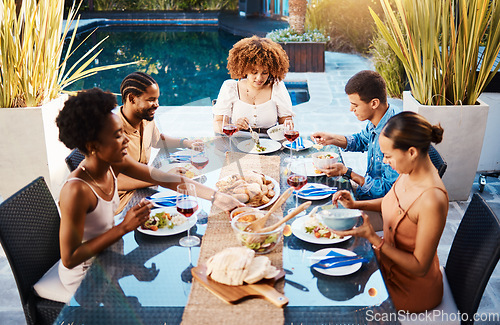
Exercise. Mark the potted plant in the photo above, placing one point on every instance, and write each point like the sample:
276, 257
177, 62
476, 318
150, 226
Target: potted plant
447, 72
33, 76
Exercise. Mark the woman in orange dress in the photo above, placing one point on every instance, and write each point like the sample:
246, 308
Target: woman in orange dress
414, 213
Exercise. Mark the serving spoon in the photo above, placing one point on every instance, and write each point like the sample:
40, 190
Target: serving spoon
258, 224
295, 212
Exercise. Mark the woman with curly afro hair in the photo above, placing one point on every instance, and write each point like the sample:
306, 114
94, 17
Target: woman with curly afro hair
258, 98
89, 197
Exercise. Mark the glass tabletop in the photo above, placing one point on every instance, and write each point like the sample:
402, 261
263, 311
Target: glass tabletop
147, 279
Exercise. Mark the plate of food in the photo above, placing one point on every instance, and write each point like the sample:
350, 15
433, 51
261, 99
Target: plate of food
309, 229
183, 169
310, 169
265, 146
252, 188
299, 145
166, 222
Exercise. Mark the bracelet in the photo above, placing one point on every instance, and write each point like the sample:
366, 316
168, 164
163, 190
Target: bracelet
379, 246
212, 198
181, 143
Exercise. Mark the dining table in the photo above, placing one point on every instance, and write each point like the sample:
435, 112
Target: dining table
147, 279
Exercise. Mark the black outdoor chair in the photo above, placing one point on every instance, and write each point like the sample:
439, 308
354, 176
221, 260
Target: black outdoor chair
74, 159
29, 234
438, 161
473, 256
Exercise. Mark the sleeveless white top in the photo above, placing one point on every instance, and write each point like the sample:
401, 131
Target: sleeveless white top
263, 115
97, 222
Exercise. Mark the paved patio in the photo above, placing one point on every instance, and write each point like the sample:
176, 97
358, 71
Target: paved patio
330, 106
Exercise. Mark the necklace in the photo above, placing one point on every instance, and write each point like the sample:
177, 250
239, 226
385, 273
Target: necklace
252, 98
95, 183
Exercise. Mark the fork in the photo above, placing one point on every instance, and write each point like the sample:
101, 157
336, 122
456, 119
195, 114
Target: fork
255, 135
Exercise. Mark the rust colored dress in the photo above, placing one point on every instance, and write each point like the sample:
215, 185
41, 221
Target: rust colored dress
408, 292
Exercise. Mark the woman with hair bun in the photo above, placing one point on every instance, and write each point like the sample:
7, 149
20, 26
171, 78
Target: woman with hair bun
258, 98
414, 213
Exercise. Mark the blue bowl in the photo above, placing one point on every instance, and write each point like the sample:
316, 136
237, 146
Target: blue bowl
340, 219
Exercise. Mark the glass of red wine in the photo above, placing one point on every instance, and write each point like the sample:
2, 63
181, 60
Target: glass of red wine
290, 134
187, 204
297, 177
228, 128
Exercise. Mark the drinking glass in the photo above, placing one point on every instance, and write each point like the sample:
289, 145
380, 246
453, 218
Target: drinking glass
187, 204
199, 159
290, 134
228, 128
297, 177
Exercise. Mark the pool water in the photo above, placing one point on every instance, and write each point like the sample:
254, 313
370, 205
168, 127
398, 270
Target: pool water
189, 63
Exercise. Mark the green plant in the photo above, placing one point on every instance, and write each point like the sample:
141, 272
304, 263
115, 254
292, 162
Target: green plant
438, 43
165, 4
347, 22
290, 35
388, 65
31, 70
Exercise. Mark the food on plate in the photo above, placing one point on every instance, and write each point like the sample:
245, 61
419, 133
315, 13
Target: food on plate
313, 226
252, 188
259, 148
238, 265
327, 156
163, 219
261, 243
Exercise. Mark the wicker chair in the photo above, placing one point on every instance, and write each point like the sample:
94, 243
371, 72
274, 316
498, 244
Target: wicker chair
29, 234
438, 161
74, 159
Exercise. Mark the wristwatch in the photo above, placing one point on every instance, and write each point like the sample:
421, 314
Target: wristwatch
347, 174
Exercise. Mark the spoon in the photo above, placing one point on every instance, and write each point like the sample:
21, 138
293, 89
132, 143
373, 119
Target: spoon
256, 225
255, 136
295, 212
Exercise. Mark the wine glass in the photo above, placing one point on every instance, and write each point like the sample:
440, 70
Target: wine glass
199, 159
297, 178
228, 128
290, 134
187, 204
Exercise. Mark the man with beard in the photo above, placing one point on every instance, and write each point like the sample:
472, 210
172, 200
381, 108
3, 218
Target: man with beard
140, 93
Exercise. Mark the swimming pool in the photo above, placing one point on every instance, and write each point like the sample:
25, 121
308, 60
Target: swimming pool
189, 63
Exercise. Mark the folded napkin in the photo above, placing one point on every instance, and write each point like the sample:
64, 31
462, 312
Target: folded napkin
334, 259
297, 144
317, 191
166, 201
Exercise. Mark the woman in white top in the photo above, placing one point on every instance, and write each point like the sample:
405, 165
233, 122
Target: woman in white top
258, 98
89, 198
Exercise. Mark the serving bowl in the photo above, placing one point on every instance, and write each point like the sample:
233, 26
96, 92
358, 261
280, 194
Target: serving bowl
277, 132
340, 219
324, 159
262, 242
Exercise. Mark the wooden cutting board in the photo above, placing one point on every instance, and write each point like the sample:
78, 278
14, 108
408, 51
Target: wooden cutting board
233, 294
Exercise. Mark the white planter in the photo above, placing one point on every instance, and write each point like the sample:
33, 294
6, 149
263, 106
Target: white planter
464, 127
490, 154
30, 147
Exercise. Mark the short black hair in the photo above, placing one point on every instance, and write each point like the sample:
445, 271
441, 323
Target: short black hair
136, 83
368, 85
82, 117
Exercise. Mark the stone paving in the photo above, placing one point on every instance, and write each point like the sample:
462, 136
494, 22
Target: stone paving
329, 107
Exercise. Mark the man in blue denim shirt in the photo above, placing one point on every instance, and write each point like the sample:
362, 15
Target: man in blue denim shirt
367, 93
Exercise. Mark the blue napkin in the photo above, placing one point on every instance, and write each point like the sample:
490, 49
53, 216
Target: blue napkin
338, 260
166, 201
317, 191
299, 143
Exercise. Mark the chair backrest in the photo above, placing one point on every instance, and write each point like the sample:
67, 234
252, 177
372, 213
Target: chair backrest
473, 255
29, 234
438, 161
74, 159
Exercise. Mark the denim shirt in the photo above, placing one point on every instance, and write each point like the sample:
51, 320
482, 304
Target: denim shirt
379, 177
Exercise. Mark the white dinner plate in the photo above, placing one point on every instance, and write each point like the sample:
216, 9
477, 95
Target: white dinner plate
248, 146
306, 145
169, 232
310, 169
299, 231
337, 271
314, 197
169, 169
276, 190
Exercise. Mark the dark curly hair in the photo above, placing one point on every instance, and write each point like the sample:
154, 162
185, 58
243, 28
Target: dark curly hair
409, 129
253, 51
368, 85
135, 83
82, 118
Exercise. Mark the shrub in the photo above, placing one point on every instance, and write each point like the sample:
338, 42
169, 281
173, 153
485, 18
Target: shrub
290, 35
